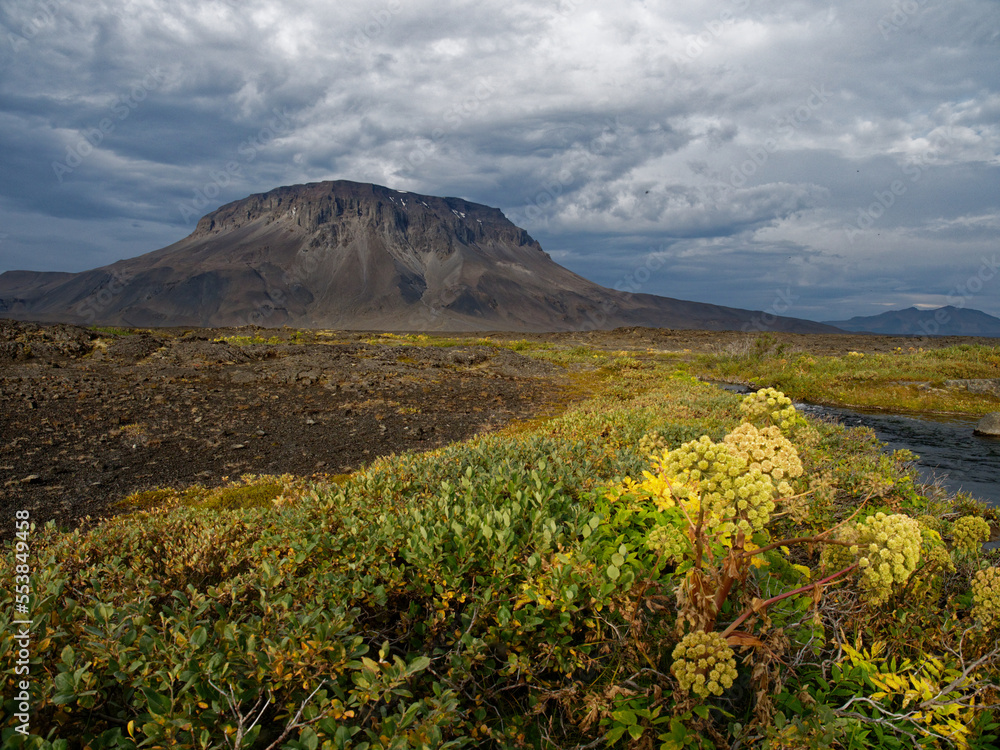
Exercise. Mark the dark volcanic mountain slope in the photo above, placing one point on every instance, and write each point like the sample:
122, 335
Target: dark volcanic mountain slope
353, 256
944, 321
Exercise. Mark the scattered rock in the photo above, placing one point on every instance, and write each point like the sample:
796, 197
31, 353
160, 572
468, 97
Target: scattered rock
510, 364
309, 376
989, 425
13, 351
194, 386
467, 356
980, 386
133, 348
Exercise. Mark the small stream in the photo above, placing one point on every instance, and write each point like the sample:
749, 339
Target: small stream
949, 451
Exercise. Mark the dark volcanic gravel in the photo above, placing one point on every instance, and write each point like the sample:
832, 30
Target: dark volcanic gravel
88, 418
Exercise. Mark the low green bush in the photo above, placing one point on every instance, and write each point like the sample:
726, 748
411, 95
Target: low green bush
524, 589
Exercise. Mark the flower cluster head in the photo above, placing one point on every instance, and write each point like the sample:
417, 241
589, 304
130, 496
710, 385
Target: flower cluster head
986, 597
888, 550
668, 541
652, 444
704, 663
936, 563
969, 533
768, 451
838, 556
930, 522
728, 489
770, 406
937, 559
754, 501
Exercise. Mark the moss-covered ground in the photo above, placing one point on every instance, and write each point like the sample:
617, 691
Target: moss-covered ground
910, 379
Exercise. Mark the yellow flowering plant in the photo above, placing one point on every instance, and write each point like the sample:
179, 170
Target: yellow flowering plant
887, 549
706, 508
704, 663
969, 533
771, 407
986, 597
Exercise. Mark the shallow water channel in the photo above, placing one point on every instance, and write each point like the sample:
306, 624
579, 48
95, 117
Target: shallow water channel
949, 451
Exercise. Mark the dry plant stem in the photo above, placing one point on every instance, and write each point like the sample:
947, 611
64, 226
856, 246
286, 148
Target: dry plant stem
879, 720
801, 590
730, 575
699, 537
808, 539
963, 680
778, 500
695, 531
789, 542
296, 721
234, 706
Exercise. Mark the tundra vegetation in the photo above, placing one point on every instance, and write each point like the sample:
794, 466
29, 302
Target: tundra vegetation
908, 379
662, 565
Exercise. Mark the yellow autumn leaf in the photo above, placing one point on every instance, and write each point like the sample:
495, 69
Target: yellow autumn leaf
748, 546
803, 570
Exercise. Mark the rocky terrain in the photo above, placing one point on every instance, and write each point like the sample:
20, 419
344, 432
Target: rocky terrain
355, 256
87, 417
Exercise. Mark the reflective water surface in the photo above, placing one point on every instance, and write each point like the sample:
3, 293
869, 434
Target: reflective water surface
947, 447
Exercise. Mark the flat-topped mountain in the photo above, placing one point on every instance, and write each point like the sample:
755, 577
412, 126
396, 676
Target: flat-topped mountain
354, 256
944, 321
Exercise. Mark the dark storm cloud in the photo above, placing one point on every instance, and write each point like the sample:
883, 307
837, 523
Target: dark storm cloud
843, 159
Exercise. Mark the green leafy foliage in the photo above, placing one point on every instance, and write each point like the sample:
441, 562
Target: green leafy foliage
500, 593
240, 340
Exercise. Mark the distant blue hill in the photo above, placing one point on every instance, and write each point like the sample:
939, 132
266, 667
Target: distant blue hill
944, 321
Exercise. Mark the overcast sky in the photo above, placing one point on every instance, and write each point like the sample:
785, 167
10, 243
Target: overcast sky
813, 159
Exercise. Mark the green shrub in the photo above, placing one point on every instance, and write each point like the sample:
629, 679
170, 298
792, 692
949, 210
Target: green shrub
505, 592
